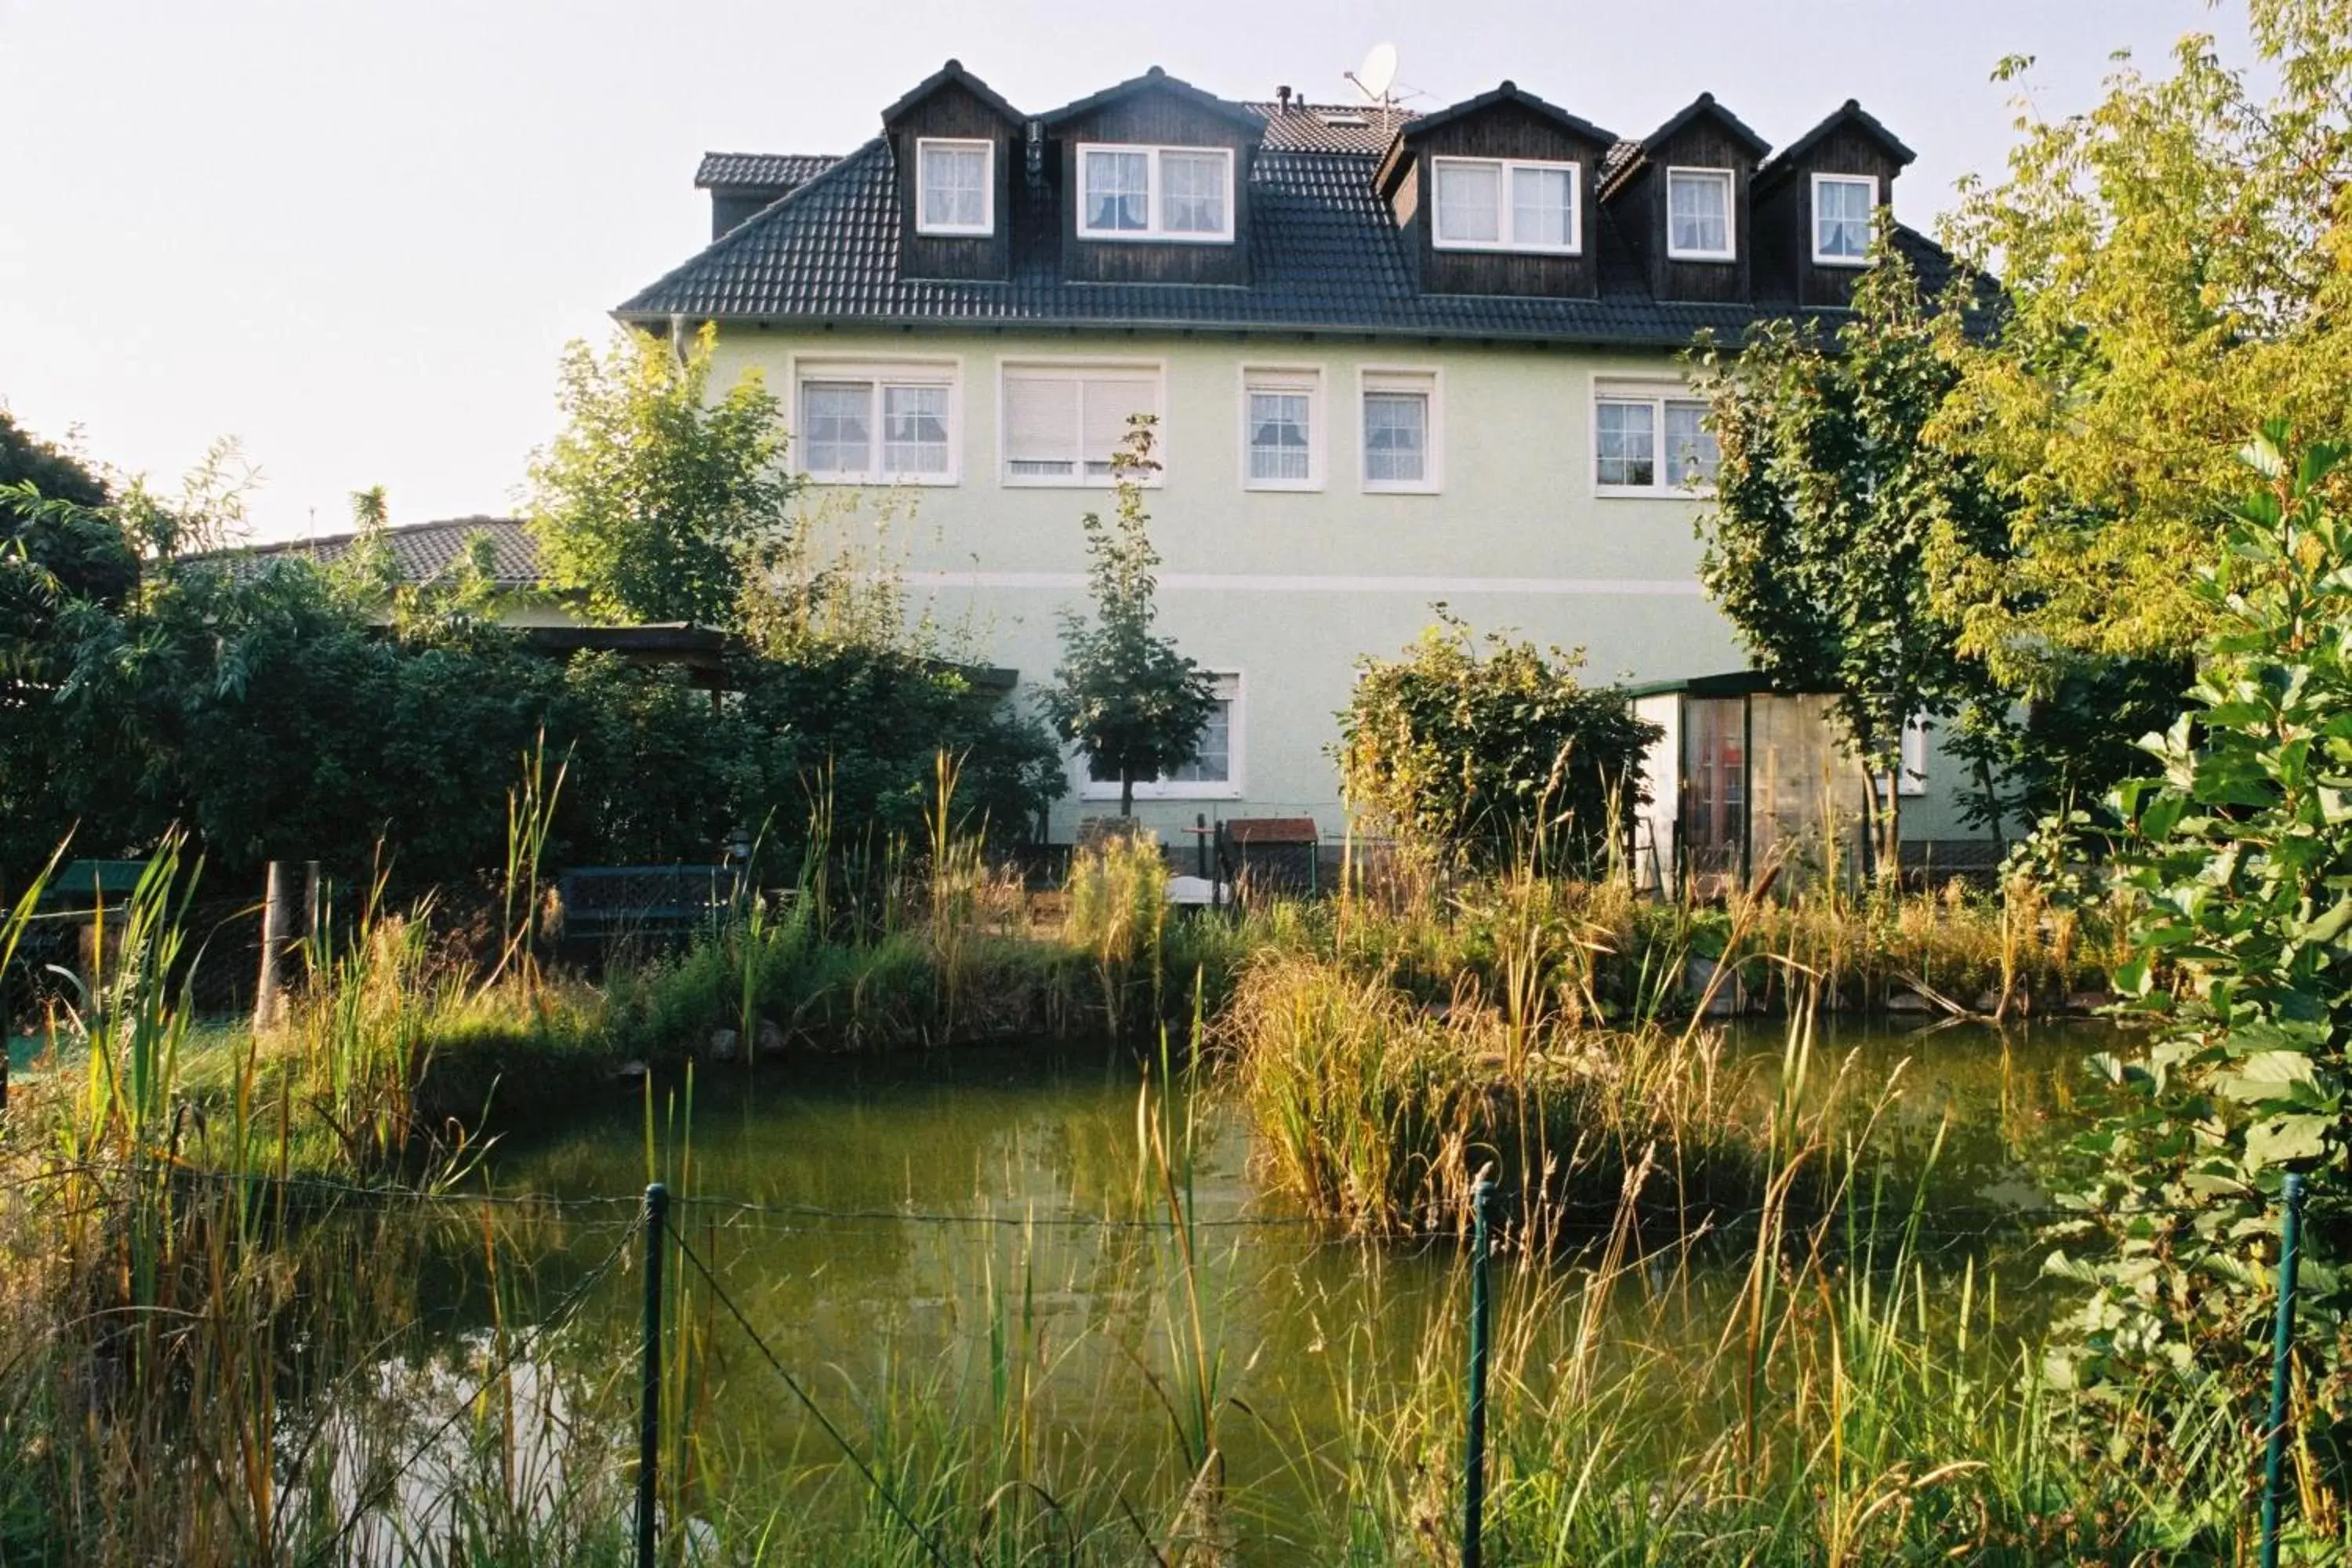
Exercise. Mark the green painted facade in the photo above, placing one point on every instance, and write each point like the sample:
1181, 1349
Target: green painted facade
1287, 589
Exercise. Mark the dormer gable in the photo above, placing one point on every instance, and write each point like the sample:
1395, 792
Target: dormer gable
1494, 195
953, 143
1817, 201
1153, 181
1683, 199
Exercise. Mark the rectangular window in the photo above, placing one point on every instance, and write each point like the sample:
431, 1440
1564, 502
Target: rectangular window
1647, 440
1156, 193
1214, 771
955, 188
1504, 204
1062, 425
1627, 445
877, 424
1692, 457
1698, 214
1400, 430
1842, 218
1193, 194
1282, 417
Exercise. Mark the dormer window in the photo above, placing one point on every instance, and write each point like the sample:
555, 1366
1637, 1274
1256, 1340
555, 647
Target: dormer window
1504, 204
1841, 209
1183, 193
955, 183
1698, 214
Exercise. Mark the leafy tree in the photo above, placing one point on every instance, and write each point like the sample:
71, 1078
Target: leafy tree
1832, 517
653, 494
1490, 754
2244, 859
1124, 694
2175, 262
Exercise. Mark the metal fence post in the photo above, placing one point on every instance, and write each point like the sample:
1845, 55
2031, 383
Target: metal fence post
1474, 1470
650, 1389
2282, 1369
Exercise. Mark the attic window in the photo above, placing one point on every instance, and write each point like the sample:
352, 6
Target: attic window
954, 186
1347, 122
1842, 207
1698, 214
1156, 193
1505, 203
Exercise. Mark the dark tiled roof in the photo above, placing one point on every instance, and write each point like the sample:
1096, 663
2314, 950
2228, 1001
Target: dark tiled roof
1366, 128
1325, 254
1510, 92
772, 171
1849, 113
1158, 80
1703, 105
423, 551
953, 71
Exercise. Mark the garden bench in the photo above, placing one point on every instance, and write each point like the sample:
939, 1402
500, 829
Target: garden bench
643, 901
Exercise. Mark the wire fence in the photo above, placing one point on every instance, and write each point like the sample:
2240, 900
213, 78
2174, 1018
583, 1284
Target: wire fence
662, 1223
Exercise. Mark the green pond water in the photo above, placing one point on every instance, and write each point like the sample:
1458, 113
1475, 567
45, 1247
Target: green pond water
910, 1237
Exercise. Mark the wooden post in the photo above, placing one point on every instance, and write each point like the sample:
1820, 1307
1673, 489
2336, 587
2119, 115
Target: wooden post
313, 892
277, 931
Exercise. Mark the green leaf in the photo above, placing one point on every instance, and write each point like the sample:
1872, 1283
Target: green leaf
2287, 1140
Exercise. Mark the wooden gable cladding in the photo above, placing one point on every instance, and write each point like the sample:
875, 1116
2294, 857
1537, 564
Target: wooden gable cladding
1508, 127
1703, 136
955, 106
1153, 112
1848, 143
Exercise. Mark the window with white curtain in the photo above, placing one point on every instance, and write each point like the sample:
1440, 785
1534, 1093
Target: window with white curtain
1282, 429
876, 424
1841, 217
1156, 193
954, 187
1651, 440
1399, 422
1698, 214
1504, 204
1062, 424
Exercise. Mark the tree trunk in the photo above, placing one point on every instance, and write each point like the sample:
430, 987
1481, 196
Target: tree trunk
1869, 819
1126, 793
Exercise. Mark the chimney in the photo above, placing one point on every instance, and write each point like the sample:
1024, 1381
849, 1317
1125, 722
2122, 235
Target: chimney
1282, 98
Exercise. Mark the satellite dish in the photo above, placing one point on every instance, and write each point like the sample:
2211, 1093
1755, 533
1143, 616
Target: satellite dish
1378, 73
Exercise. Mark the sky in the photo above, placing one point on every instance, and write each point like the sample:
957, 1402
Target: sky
355, 234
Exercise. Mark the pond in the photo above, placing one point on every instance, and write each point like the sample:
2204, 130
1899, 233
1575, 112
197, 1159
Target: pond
970, 1240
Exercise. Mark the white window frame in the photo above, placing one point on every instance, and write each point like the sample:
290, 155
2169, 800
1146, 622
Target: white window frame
1232, 787
1729, 180
924, 224
1152, 372
1506, 214
877, 375
1407, 378
1154, 232
1657, 395
1306, 379
1870, 213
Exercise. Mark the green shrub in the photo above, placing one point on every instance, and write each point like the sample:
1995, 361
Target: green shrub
1491, 753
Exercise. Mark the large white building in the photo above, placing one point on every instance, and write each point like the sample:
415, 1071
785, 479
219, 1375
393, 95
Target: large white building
1395, 360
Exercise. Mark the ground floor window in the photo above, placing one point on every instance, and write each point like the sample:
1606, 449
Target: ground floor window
1213, 774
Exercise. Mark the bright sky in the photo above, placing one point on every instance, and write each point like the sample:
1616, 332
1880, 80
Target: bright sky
353, 235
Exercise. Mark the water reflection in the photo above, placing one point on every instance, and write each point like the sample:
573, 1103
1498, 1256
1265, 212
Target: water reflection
969, 1240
